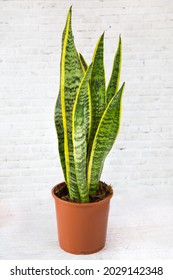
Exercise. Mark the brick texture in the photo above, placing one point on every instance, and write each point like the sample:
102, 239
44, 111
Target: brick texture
30, 47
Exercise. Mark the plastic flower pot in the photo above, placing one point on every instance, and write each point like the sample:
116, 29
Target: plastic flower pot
81, 227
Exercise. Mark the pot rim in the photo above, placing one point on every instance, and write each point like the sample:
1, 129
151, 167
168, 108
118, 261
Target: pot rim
76, 204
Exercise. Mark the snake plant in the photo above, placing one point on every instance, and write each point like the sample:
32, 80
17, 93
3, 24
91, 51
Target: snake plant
87, 114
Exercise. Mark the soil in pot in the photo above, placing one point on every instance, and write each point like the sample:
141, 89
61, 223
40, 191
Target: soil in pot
103, 191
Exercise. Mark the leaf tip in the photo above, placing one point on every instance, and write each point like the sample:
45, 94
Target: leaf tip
102, 36
70, 11
123, 86
120, 41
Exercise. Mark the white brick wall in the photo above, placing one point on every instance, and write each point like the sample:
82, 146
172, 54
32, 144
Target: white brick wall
30, 45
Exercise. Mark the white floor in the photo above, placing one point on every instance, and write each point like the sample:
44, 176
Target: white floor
140, 226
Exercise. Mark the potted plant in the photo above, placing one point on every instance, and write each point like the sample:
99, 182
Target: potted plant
87, 120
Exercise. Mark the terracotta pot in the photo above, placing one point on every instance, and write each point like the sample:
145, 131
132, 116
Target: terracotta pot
81, 226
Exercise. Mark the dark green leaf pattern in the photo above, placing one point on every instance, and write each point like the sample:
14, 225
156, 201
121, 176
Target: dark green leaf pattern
115, 76
83, 62
80, 134
97, 87
105, 136
71, 76
60, 133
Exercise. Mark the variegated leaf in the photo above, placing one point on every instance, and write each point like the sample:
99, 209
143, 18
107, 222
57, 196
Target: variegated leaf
85, 67
83, 62
80, 134
106, 134
70, 78
60, 133
97, 86
115, 76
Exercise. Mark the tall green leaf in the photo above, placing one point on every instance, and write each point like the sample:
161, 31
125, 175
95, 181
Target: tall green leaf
97, 86
80, 134
83, 62
85, 67
70, 78
58, 119
106, 134
115, 76
60, 133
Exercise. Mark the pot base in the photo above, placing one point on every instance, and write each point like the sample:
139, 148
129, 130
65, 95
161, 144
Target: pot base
74, 252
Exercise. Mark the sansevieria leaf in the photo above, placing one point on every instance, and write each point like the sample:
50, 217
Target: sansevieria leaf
80, 134
115, 76
60, 133
70, 78
83, 62
85, 67
98, 94
106, 134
